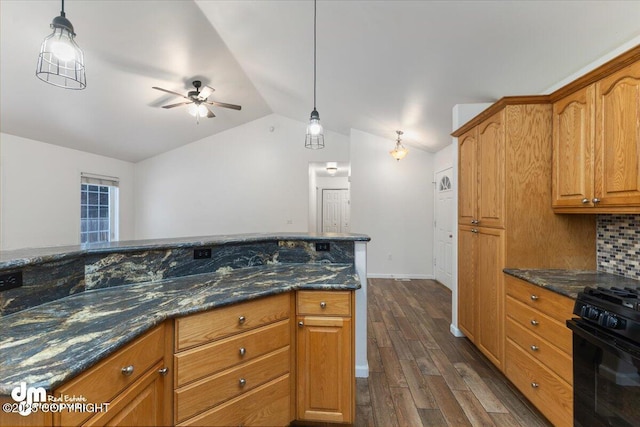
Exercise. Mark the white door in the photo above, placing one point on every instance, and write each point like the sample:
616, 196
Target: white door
335, 211
444, 221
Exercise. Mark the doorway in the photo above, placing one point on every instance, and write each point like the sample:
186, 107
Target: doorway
335, 210
443, 224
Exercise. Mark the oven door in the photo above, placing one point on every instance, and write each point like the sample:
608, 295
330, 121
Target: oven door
606, 377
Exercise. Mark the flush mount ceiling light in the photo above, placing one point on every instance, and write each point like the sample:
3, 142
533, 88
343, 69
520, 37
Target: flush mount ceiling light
61, 61
399, 152
315, 136
332, 168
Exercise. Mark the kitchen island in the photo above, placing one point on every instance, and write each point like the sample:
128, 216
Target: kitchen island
126, 289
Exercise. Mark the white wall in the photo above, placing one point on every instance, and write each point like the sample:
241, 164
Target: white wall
40, 192
246, 179
392, 202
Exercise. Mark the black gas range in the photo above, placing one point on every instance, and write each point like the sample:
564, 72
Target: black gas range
606, 356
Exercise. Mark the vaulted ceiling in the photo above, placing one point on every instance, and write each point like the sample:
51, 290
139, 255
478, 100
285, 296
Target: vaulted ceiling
382, 65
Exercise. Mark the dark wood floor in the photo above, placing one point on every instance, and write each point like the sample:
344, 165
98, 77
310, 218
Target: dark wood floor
420, 374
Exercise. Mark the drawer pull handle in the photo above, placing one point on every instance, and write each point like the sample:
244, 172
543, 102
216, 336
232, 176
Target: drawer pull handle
127, 370
534, 297
242, 382
323, 305
535, 348
535, 385
242, 351
163, 371
241, 320
534, 322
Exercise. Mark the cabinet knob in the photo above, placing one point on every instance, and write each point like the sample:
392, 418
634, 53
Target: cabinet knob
242, 382
474, 230
323, 305
535, 385
474, 221
127, 370
163, 371
596, 200
241, 320
242, 351
535, 297
534, 348
534, 322
585, 201
301, 324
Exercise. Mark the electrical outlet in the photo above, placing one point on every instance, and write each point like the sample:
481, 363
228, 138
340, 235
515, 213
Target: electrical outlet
10, 280
322, 247
202, 253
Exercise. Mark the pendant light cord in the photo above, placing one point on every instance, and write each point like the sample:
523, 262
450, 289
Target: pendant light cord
314, 53
62, 11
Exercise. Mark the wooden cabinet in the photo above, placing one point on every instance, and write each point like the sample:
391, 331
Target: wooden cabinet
539, 348
596, 162
227, 358
505, 168
133, 383
325, 357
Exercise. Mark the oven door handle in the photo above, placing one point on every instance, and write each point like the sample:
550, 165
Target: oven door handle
600, 338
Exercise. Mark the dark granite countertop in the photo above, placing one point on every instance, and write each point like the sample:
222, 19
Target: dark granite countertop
49, 344
22, 257
570, 282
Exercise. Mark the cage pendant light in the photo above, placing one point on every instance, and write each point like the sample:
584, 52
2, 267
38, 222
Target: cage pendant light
315, 135
61, 61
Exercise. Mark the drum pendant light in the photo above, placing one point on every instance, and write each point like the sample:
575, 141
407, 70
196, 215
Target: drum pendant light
61, 61
315, 136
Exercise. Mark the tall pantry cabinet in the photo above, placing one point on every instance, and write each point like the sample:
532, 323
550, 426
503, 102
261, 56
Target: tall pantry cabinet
505, 217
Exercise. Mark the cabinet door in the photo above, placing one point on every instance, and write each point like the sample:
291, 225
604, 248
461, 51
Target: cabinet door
467, 306
490, 294
468, 178
142, 404
572, 184
617, 175
491, 180
325, 369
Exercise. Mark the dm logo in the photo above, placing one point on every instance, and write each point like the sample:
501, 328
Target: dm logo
27, 397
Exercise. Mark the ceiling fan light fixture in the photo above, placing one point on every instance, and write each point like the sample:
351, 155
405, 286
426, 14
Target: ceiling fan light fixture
314, 139
198, 110
61, 61
399, 152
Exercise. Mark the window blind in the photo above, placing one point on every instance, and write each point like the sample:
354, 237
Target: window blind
89, 178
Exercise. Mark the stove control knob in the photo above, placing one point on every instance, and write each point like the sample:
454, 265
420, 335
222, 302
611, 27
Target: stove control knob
589, 312
609, 321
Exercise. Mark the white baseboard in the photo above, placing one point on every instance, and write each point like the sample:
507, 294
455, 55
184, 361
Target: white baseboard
362, 371
455, 331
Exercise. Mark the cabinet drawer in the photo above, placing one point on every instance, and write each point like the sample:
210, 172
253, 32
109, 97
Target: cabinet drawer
551, 395
103, 382
205, 327
548, 302
330, 303
211, 391
540, 349
267, 405
208, 359
548, 328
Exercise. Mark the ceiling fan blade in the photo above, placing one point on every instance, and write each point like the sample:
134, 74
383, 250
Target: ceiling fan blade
177, 105
222, 104
171, 92
209, 113
206, 91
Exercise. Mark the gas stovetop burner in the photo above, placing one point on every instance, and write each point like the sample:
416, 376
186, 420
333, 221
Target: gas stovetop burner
626, 297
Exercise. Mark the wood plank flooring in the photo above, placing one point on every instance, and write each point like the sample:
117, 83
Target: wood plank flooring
420, 374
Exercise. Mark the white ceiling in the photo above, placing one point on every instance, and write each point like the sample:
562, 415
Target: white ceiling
382, 65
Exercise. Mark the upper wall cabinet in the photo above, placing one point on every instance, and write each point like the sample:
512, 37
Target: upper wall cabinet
596, 146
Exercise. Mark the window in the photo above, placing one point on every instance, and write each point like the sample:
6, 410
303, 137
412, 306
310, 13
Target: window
98, 209
445, 184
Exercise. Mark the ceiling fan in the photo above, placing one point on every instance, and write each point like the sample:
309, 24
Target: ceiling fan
197, 101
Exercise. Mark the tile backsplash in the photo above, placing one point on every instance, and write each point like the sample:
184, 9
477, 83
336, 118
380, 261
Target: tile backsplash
618, 245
